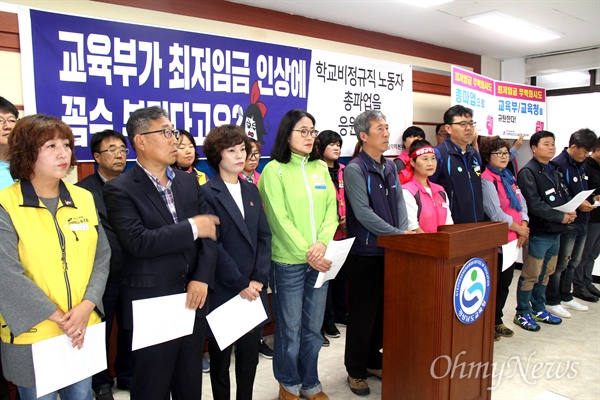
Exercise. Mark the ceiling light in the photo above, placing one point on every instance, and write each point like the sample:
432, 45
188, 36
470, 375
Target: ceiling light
510, 26
425, 3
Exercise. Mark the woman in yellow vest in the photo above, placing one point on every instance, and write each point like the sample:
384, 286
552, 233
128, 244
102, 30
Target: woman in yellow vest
187, 156
54, 255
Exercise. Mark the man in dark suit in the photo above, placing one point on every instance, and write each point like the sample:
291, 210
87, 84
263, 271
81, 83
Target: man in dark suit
169, 247
109, 150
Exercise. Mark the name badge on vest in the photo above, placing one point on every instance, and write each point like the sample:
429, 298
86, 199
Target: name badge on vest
445, 204
79, 227
550, 191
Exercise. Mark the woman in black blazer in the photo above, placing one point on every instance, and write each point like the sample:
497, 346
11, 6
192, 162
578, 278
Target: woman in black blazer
244, 255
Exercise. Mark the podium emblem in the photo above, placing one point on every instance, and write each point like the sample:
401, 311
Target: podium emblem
471, 290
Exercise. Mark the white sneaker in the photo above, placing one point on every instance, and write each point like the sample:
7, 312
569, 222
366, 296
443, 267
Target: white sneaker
558, 311
574, 305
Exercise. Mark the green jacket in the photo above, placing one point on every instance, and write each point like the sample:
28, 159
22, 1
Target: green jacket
301, 207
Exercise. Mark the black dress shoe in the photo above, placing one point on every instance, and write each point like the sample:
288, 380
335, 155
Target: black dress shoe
593, 290
585, 295
104, 392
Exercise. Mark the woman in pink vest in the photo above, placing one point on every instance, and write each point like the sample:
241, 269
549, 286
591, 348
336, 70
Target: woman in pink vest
502, 201
330, 149
426, 202
249, 172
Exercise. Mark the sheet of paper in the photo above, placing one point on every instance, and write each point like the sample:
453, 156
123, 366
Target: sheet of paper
337, 251
575, 201
57, 364
160, 319
234, 319
510, 253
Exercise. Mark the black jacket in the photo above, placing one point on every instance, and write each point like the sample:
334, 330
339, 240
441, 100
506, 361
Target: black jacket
542, 194
592, 170
94, 184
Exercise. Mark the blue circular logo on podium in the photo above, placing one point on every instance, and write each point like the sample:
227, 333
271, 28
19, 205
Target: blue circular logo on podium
471, 290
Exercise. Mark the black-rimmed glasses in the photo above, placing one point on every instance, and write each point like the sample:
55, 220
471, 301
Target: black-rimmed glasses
305, 132
464, 124
114, 151
166, 131
254, 156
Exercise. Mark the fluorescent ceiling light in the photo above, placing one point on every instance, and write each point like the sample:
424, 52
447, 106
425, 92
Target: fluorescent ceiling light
425, 3
510, 26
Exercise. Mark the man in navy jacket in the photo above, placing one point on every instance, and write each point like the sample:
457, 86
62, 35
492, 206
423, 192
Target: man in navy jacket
459, 166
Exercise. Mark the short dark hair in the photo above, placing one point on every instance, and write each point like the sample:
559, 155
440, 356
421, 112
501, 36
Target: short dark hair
362, 122
437, 127
254, 142
8, 107
534, 140
488, 145
140, 120
98, 137
456, 110
418, 144
412, 131
327, 137
585, 138
188, 135
220, 138
28, 136
281, 148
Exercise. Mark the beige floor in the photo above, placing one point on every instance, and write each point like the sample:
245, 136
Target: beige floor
557, 362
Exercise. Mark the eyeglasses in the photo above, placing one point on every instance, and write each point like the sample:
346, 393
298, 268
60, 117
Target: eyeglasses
166, 131
442, 134
501, 154
305, 132
113, 151
464, 124
9, 120
254, 156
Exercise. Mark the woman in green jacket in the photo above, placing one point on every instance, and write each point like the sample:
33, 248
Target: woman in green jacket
301, 208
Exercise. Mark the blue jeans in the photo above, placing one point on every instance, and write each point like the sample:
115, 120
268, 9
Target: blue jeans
583, 273
299, 309
539, 262
81, 390
569, 254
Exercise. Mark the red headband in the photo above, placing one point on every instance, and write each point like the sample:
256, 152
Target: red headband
421, 151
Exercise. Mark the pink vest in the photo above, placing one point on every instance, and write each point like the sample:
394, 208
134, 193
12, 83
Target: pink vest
255, 176
433, 210
341, 201
504, 200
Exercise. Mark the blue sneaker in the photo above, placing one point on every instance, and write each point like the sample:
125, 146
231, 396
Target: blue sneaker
547, 318
205, 365
526, 322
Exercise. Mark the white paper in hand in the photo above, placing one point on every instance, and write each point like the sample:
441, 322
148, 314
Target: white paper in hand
160, 319
57, 364
337, 252
234, 319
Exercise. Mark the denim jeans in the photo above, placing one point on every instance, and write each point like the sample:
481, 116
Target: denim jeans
539, 262
299, 309
591, 250
81, 390
569, 254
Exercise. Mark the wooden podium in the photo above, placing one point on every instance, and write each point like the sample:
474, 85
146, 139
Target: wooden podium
427, 352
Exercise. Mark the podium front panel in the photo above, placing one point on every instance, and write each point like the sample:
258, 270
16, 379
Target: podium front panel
428, 352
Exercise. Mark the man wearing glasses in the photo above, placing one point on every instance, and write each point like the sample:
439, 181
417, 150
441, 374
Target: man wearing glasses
459, 166
169, 247
109, 150
8, 118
